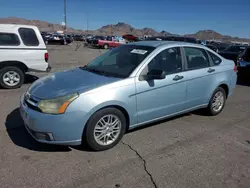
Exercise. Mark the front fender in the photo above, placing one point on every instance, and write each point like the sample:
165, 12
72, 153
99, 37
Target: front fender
108, 104
91, 103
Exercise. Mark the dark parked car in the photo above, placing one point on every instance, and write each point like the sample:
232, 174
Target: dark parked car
212, 47
220, 45
78, 38
243, 62
232, 52
60, 40
174, 38
131, 38
90, 40
46, 36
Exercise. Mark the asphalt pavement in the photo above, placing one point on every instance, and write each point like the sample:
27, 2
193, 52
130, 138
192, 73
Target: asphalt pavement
189, 151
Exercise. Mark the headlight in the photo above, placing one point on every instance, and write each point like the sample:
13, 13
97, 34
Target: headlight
57, 105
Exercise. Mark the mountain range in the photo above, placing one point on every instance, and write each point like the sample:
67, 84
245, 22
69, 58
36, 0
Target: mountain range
120, 29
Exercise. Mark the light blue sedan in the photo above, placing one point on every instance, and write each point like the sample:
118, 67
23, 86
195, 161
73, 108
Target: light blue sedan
129, 86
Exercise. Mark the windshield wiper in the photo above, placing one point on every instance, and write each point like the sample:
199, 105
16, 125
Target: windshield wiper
99, 72
104, 73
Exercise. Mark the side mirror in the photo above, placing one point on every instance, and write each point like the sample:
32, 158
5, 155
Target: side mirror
155, 74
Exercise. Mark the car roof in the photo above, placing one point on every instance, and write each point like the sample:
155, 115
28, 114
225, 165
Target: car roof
11, 27
157, 44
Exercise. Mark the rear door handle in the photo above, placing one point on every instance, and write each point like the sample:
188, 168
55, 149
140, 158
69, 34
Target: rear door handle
177, 77
210, 70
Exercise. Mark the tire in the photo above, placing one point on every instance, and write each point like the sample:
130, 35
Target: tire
105, 46
90, 136
15, 73
212, 111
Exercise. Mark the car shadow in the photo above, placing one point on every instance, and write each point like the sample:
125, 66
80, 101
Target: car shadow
20, 137
30, 78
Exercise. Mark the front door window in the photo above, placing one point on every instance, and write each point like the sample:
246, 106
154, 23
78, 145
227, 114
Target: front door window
168, 60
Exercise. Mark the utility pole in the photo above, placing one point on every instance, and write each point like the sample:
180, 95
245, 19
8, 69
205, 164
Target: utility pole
87, 23
65, 16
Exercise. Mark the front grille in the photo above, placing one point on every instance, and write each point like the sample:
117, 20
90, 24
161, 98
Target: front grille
32, 106
31, 102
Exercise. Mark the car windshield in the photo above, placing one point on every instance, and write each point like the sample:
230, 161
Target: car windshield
119, 62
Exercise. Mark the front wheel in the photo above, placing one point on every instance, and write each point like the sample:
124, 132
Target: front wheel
11, 77
105, 129
217, 102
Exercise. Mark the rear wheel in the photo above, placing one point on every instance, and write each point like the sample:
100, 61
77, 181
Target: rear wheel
105, 129
217, 102
11, 77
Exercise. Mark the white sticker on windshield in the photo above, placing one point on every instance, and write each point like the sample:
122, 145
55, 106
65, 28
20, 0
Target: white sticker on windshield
170, 50
138, 51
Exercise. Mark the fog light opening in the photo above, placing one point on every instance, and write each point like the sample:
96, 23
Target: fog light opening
44, 136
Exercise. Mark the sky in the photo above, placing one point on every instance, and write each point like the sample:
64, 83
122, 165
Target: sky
229, 17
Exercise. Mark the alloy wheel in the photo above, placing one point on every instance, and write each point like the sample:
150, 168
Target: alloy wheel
107, 130
218, 101
11, 78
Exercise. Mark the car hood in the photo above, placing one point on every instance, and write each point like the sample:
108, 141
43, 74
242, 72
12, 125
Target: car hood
68, 82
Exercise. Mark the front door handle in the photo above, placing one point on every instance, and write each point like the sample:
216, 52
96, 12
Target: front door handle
210, 70
177, 77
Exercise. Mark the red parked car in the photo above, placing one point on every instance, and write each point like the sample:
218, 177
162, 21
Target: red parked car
130, 37
108, 43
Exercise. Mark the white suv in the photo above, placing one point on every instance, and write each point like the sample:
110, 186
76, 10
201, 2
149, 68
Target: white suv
22, 49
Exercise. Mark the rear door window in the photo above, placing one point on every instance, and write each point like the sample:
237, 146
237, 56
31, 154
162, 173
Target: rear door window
28, 36
9, 39
197, 58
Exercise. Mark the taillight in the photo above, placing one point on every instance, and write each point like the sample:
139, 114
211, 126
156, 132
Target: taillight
46, 57
235, 68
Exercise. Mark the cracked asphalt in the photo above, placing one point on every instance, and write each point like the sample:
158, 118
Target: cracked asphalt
192, 150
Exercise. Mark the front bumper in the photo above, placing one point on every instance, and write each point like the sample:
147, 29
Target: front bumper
65, 129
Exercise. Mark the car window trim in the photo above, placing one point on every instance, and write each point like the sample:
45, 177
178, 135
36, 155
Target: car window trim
19, 42
185, 58
154, 55
15, 48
